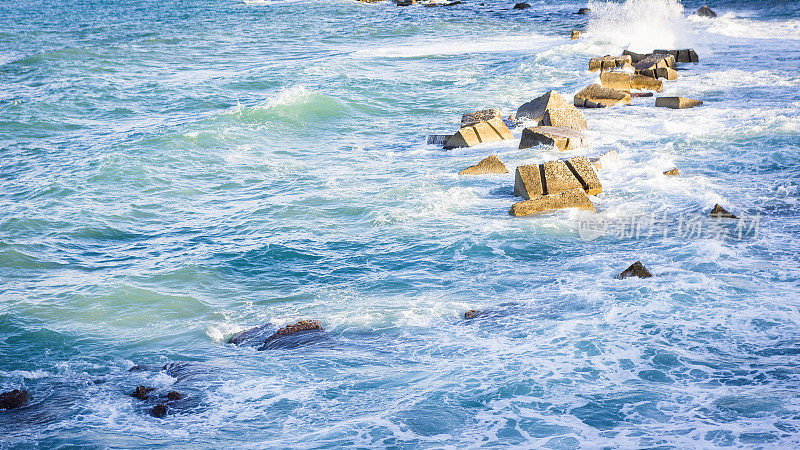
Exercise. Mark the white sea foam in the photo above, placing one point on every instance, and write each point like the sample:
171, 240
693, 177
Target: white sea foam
639, 25
417, 48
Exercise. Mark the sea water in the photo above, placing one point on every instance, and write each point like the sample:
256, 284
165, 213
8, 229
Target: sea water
176, 172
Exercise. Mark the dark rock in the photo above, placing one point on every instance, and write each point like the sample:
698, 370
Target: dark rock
14, 399
522, 6
138, 368
160, 410
705, 11
721, 213
141, 392
636, 269
583, 11
674, 172
641, 94
471, 314
252, 335
174, 395
295, 335
435, 4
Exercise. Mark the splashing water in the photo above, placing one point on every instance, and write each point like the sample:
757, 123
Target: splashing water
639, 25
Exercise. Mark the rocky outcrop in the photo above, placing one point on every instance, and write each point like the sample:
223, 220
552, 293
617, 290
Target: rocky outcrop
677, 102
160, 410
686, 55
635, 57
636, 269
573, 198
705, 11
609, 63
596, 96
174, 395
489, 165
492, 130
295, 335
576, 34
535, 109
583, 11
718, 212
14, 399
522, 6
564, 117
472, 118
562, 138
253, 335
623, 81
554, 177
674, 172
471, 314
605, 161
142, 392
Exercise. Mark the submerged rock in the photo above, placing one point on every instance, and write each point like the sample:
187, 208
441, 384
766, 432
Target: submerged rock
142, 392
672, 172
721, 213
636, 269
583, 11
492, 130
596, 96
489, 165
573, 198
174, 395
609, 62
160, 410
535, 109
471, 314
438, 139
561, 138
705, 11
252, 335
295, 335
677, 102
522, 6
554, 177
14, 399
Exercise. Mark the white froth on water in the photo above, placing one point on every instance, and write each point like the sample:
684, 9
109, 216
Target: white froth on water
639, 25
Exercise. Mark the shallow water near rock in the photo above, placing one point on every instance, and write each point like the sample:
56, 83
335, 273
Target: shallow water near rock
175, 173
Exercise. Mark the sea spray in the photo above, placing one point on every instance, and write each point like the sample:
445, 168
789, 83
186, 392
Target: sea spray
639, 25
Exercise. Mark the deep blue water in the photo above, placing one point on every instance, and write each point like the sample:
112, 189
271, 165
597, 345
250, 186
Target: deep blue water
175, 172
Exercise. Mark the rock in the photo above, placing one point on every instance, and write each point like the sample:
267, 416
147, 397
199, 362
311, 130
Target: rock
160, 410
705, 11
636, 269
623, 81
535, 109
252, 335
14, 399
576, 34
405, 2
609, 62
138, 368
562, 138
471, 314
657, 66
479, 116
596, 96
583, 11
522, 6
677, 102
605, 161
489, 165
492, 130
174, 395
635, 57
721, 213
141, 392
672, 172
573, 198
295, 335
438, 3
686, 55
438, 139
641, 94
554, 177
564, 117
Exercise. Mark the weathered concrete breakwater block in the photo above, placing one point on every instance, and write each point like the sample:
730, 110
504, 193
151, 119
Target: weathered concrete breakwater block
479, 116
492, 130
686, 55
677, 102
554, 177
605, 161
438, 139
573, 198
596, 96
562, 138
535, 109
564, 117
609, 62
657, 66
489, 165
623, 81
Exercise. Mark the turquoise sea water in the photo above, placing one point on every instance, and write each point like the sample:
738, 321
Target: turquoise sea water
176, 172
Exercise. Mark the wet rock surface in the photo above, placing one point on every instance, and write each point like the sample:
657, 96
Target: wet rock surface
636, 269
489, 165
14, 399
